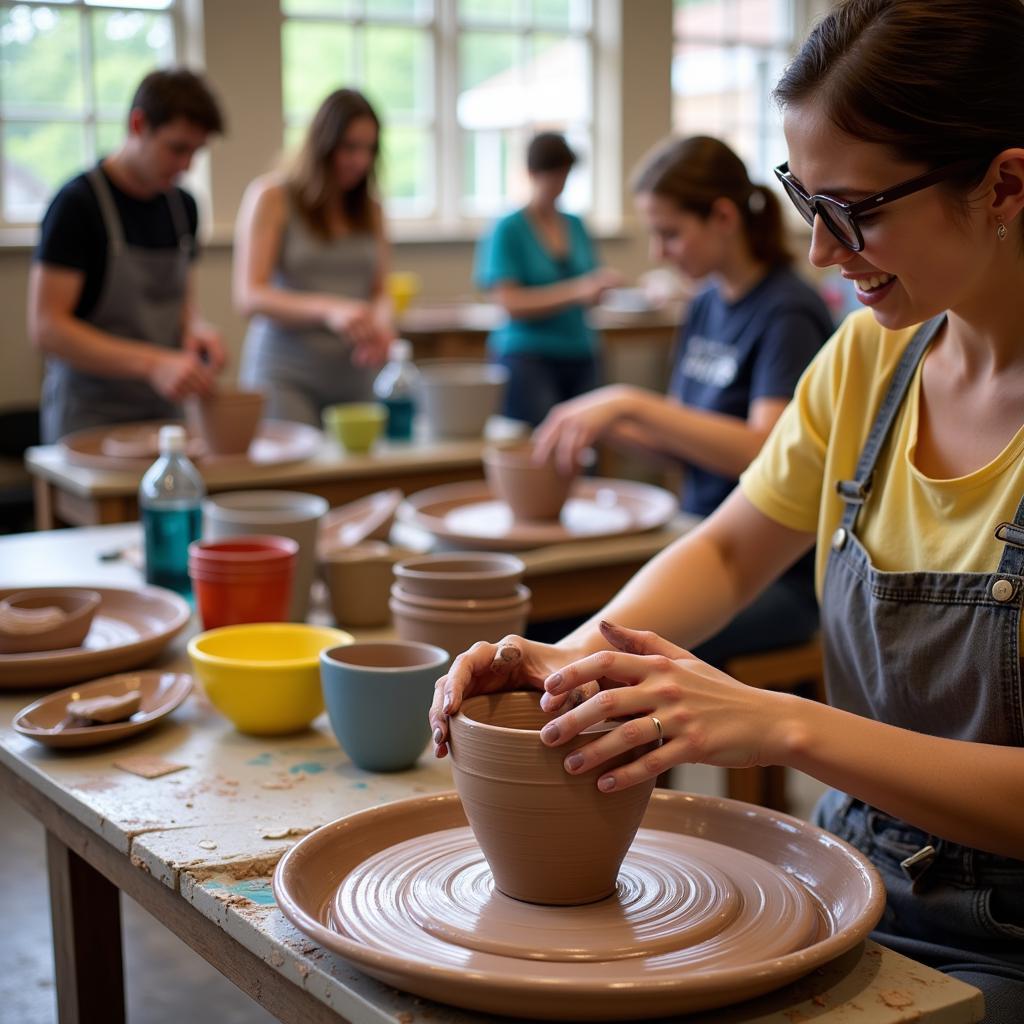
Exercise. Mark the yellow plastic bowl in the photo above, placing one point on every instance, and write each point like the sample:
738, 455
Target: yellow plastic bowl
264, 676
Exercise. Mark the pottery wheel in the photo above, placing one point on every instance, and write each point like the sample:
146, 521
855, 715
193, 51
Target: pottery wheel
681, 901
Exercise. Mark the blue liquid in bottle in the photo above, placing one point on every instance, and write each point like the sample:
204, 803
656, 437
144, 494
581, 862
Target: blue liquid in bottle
170, 501
401, 410
168, 533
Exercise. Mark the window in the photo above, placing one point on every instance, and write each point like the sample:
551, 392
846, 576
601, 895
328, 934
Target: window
68, 69
727, 57
460, 85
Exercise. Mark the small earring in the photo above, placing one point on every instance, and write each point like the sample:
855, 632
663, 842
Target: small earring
1001, 232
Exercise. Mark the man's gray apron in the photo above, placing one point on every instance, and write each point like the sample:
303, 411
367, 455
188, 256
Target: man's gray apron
142, 298
936, 652
303, 369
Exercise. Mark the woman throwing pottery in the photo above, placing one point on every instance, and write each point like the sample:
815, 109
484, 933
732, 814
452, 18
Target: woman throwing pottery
746, 340
539, 265
902, 453
311, 259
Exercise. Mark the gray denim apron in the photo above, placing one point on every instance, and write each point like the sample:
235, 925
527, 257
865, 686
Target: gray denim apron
301, 370
936, 652
142, 297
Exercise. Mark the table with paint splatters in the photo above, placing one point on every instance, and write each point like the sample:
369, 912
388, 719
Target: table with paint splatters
196, 847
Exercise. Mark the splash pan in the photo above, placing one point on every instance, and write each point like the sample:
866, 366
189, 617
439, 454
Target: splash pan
718, 901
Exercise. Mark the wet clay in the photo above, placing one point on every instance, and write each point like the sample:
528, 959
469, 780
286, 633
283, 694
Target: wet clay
548, 836
680, 901
717, 902
106, 708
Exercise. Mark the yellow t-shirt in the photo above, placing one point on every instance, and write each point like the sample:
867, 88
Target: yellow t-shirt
910, 522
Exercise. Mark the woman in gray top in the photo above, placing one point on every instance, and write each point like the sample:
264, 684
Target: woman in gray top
310, 264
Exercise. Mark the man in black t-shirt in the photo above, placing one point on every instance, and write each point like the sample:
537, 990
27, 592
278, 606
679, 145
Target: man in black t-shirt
110, 292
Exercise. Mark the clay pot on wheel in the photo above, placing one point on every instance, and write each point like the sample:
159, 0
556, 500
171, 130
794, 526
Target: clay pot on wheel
535, 491
548, 836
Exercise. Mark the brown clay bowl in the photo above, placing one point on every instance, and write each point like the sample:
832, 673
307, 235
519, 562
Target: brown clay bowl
534, 491
548, 836
483, 605
225, 421
461, 575
358, 580
23, 613
456, 631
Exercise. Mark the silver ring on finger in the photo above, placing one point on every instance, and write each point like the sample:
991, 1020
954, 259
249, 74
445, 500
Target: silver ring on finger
661, 731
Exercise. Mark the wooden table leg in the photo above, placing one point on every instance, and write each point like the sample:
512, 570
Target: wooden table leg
42, 497
86, 913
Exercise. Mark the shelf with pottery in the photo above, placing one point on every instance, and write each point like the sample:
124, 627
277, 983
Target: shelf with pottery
82, 495
195, 838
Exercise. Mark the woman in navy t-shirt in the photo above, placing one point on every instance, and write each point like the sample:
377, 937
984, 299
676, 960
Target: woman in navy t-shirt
746, 340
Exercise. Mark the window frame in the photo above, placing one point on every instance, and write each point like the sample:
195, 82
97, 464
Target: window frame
89, 119
445, 29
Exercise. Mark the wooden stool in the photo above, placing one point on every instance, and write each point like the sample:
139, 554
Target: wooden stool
788, 669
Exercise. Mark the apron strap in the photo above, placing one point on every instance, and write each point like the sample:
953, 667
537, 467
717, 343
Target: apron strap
108, 211
855, 492
180, 220
1012, 537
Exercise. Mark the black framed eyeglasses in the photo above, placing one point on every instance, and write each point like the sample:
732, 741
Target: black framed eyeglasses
841, 218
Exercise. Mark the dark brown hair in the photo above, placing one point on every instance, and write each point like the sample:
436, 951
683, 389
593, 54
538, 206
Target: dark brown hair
170, 93
937, 81
548, 151
694, 172
311, 179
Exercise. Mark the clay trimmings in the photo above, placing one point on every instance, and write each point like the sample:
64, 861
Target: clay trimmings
680, 902
105, 709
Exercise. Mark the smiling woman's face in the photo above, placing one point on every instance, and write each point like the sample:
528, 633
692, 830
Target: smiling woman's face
922, 254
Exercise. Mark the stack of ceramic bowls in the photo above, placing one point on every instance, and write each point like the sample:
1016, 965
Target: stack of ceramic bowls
454, 600
245, 579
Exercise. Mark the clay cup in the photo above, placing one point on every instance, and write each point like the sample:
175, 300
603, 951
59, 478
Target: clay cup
549, 837
226, 421
534, 491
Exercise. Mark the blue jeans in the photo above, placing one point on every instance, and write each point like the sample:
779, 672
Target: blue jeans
536, 383
961, 913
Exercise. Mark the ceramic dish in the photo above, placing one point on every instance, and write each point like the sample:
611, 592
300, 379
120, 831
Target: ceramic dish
46, 619
421, 914
47, 721
468, 514
369, 518
132, 446
131, 627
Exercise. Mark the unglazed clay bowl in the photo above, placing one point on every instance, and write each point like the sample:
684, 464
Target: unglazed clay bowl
264, 677
456, 631
225, 421
458, 396
549, 837
534, 491
359, 580
471, 574
46, 619
482, 605
378, 695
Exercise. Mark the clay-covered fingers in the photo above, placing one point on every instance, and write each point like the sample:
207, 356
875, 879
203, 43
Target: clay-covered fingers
640, 641
485, 667
614, 666
620, 702
636, 732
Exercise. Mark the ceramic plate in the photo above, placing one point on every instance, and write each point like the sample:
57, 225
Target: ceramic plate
46, 720
456, 958
132, 447
469, 514
369, 518
131, 627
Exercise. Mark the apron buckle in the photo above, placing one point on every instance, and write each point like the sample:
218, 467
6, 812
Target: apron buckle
854, 491
917, 863
1010, 533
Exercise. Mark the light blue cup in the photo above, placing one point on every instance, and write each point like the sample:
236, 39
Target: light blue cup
378, 695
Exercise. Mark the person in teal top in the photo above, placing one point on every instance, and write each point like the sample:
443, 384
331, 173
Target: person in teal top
539, 265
